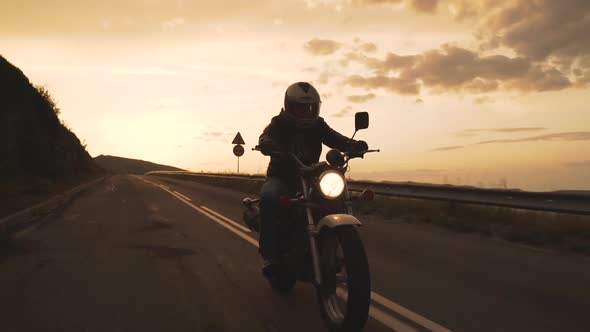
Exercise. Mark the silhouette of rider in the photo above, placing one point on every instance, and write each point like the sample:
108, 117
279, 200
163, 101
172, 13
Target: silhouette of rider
298, 129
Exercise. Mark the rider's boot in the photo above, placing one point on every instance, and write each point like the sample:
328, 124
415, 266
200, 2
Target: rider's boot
269, 266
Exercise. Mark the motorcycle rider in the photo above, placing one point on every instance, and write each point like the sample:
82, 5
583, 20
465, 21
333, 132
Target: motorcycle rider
298, 129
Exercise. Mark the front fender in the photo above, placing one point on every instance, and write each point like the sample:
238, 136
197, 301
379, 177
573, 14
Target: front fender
335, 220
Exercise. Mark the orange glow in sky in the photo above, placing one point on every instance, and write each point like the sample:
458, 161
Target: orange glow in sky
462, 92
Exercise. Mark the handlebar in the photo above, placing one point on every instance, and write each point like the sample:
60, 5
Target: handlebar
348, 154
276, 153
357, 154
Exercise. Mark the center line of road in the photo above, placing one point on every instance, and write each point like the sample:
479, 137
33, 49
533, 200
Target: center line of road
380, 315
376, 313
226, 219
229, 227
420, 320
181, 195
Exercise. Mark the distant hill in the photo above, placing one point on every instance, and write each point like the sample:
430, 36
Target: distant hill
122, 165
39, 154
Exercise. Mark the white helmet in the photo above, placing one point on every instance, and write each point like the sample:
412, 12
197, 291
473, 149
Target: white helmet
302, 104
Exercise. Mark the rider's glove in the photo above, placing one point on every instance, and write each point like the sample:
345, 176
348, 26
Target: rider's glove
359, 146
267, 146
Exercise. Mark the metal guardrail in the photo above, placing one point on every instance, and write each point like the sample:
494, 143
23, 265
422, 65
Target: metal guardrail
554, 201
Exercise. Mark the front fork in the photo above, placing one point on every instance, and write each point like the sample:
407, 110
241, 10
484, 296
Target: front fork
312, 233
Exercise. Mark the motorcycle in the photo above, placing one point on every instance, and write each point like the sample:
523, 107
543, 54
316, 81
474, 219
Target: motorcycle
320, 241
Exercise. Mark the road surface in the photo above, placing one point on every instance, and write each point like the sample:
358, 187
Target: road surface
157, 254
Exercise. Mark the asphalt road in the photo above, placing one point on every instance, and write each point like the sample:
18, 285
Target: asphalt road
155, 254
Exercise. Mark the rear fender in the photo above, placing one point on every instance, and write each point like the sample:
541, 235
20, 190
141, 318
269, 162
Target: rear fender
336, 220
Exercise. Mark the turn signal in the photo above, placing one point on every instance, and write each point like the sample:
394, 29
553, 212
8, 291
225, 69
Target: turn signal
285, 201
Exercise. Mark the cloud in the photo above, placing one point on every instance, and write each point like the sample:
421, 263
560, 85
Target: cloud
515, 129
369, 47
327, 95
583, 163
503, 130
213, 134
353, 55
173, 23
447, 148
428, 6
483, 100
363, 47
521, 45
360, 98
392, 84
568, 136
321, 46
473, 132
455, 69
375, 2
391, 62
539, 29
552, 34
326, 76
345, 111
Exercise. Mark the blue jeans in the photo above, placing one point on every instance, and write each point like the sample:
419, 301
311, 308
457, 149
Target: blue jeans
271, 215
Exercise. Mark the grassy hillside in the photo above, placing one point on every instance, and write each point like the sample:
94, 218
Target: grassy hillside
122, 165
40, 156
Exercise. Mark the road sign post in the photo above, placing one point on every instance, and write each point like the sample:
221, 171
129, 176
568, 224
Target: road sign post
238, 148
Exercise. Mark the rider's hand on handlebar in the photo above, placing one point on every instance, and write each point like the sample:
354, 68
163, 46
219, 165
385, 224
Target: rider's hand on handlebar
358, 146
267, 147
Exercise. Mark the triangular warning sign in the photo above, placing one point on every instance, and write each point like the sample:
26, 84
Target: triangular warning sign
238, 139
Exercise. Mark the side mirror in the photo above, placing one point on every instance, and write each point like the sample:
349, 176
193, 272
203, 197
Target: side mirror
361, 120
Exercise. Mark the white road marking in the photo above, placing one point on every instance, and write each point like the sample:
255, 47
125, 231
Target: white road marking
420, 320
229, 227
217, 214
226, 219
376, 313
26, 231
181, 195
384, 318
389, 321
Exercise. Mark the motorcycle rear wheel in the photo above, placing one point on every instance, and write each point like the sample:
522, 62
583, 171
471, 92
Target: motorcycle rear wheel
345, 293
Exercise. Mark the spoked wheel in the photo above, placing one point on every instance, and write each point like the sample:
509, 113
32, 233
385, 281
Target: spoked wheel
344, 295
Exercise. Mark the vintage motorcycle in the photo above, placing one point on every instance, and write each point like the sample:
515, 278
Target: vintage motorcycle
320, 241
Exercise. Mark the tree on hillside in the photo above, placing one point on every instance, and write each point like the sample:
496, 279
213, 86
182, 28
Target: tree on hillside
48, 100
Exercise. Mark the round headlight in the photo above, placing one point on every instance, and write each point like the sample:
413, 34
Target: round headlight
331, 184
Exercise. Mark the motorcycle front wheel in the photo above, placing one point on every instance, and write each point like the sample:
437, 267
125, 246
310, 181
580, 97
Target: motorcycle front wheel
345, 293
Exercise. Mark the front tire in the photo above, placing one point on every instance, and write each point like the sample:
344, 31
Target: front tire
345, 293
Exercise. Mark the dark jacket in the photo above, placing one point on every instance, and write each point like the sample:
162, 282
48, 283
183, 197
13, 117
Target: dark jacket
305, 143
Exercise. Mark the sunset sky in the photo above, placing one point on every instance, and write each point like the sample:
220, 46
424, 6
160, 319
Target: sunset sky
462, 92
